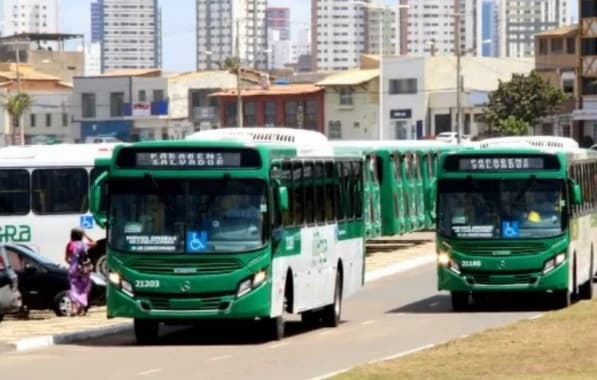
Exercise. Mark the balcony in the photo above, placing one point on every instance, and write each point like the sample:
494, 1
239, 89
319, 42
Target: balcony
146, 109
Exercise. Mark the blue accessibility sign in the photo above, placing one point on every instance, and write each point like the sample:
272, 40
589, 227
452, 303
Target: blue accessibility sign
86, 222
196, 241
510, 229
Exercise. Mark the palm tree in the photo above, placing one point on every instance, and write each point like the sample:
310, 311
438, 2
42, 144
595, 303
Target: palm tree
16, 105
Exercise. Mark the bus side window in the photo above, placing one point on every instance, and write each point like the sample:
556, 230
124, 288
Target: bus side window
308, 186
340, 200
319, 190
286, 180
346, 188
330, 193
59, 191
14, 192
357, 180
298, 190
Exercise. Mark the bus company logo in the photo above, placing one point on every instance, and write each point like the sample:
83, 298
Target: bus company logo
185, 286
501, 265
15, 233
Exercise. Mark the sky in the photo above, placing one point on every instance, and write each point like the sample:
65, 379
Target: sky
178, 25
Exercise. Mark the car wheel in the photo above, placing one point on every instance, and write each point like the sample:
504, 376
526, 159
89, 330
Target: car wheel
1, 317
101, 266
63, 305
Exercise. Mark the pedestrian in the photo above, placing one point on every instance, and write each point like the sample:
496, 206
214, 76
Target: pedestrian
80, 268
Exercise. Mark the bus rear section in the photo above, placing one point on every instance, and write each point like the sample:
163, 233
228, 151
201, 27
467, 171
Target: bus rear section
504, 225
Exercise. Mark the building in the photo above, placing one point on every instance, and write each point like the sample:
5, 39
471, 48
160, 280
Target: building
519, 21
302, 44
586, 114
489, 29
556, 61
427, 26
390, 37
421, 93
293, 105
93, 58
130, 33
48, 118
57, 61
278, 18
30, 16
221, 23
338, 37
352, 104
281, 54
129, 104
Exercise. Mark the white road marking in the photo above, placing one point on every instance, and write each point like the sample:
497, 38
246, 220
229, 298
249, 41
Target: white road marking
369, 322
150, 371
278, 345
218, 358
536, 317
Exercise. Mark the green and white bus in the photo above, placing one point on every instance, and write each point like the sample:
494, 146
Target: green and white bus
232, 224
517, 214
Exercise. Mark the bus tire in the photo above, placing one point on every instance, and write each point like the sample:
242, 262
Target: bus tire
275, 328
561, 298
146, 330
331, 314
585, 291
310, 318
460, 301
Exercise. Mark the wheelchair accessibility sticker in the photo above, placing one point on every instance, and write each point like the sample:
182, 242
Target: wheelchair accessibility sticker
197, 241
510, 229
86, 222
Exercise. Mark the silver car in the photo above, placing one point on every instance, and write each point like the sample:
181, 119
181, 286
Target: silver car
10, 297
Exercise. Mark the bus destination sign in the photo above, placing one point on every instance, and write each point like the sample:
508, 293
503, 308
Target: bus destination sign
500, 163
202, 159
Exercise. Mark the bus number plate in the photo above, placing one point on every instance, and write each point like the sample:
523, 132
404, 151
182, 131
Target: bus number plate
471, 263
147, 284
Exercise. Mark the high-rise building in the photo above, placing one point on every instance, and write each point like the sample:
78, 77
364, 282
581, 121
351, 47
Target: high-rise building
30, 16
427, 27
131, 34
279, 19
519, 21
97, 22
93, 58
220, 24
489, 28
389, 31
338, 37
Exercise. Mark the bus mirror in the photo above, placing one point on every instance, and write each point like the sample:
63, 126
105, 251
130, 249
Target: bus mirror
95, 200
283, 197
576, 193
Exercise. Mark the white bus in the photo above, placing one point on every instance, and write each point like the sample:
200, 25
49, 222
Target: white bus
44, 194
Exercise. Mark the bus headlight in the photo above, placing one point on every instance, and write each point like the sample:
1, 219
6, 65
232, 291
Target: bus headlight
114, 278
251, 283
443, 259
554, 262
127, 288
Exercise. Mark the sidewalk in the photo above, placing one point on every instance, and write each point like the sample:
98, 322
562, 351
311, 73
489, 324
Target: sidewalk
45, 329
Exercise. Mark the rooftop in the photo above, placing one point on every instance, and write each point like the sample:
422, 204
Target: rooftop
276, 90
350, 78
132, 73
22, 37
560, 32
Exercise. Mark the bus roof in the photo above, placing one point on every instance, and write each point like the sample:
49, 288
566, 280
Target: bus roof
53, 155
306, 143
545, 143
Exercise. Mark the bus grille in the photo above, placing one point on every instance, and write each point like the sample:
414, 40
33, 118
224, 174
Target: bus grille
186, 266
498, 249
517, 279
195, 304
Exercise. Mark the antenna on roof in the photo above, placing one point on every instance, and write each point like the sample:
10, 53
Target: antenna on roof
307, 143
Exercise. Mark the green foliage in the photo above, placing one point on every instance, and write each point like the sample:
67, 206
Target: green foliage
17, 104
231, 63
515, 105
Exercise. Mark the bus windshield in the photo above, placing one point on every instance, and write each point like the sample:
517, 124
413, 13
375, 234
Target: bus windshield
501, 209
187, 216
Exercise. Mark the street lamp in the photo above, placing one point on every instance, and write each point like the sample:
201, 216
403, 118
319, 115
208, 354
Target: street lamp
382, 8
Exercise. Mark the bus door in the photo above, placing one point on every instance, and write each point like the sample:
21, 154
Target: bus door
409, 190
397, 191
419, 164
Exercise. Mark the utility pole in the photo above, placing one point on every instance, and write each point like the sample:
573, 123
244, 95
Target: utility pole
458, 75
20, 118
381, 92
239, 99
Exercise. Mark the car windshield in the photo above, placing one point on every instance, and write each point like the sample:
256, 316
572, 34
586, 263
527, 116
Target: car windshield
187, 216
501, 209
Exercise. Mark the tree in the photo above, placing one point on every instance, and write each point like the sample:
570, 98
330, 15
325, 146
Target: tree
16, 105
520, 102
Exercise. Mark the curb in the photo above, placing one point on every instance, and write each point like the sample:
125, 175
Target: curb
37, 342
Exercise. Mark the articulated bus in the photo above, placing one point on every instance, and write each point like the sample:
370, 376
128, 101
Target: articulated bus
517, 214
44, 194
232, 224
404, 172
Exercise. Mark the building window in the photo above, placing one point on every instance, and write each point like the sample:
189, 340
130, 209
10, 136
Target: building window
32, 120
403, 86
88, 105
568, 86
142, 96
270, 114
346, 96
249, 114
542, 46
571, 45
335, 130
557, 45
290, 113
158, 95
48, 120
230, 114
64, 119
116, 104
311, 114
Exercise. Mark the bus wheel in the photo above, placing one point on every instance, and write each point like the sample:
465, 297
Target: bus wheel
146, 330
331, 314
561, 299
310, 318
101, 266
585, 291
459, 301
274, 328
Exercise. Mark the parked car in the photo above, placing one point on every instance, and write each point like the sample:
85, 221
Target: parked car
10, 297
451, 137
44, 284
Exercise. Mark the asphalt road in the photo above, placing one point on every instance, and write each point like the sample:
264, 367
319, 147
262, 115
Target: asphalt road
388, 317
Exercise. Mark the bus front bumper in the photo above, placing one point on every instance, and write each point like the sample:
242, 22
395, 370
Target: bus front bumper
556, 279
162, 306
